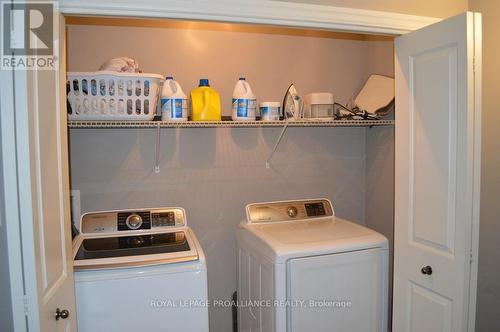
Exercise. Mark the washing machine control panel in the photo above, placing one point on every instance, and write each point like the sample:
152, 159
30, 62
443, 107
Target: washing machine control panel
289, 210
143, 219
133, 220
163, 218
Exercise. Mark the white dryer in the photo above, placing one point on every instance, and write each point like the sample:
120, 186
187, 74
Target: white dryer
301, 269
139, 270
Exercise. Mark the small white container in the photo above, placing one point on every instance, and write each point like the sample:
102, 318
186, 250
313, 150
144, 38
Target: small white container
319, 105
244, 102
174, 102
270, 110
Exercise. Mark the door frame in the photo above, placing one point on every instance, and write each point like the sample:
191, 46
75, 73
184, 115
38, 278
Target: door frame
312, 16
12, 225
267, 12
237, 11
476, 165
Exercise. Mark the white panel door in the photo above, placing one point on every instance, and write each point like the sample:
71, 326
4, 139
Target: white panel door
436, 156
42, 151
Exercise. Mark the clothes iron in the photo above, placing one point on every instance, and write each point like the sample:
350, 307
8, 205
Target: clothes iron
292, 104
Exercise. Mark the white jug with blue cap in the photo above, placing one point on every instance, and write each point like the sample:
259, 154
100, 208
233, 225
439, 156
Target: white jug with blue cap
174, 103
244, 102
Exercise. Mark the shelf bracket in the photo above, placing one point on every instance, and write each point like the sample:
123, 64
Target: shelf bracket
268, 160
157, 153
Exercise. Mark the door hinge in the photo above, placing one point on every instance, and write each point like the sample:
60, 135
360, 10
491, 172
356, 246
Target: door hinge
26, 305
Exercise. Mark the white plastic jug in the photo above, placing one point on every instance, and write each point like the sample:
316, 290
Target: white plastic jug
174, 103
244, 102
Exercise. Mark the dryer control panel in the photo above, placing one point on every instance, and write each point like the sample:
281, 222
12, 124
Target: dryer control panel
132, 220
289, 210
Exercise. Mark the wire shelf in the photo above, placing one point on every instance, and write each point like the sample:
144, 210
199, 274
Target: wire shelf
227, 124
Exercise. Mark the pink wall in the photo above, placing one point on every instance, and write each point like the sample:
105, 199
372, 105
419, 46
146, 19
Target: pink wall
270, 58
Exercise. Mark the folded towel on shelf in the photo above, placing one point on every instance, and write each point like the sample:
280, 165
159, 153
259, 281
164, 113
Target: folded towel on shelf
122, 65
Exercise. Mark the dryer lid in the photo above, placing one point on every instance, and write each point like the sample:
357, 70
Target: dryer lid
301, 233
300, 238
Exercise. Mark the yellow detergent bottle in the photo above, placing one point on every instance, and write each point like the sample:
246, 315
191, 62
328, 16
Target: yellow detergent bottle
205, 103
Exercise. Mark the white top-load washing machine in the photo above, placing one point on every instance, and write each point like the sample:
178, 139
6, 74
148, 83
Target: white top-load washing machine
139, 270
302, 269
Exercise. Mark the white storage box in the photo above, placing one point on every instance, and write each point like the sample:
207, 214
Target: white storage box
319, 105
107, 95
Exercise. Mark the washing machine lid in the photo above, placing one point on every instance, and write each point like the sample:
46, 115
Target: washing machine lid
130, 238
132, 245
134, 249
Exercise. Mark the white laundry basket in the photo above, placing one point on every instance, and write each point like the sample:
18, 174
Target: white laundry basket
107, 95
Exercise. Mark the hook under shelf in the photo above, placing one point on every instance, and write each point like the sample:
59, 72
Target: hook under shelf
268, 160
157, 156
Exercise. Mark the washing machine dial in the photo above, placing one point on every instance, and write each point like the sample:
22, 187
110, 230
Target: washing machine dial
134, 221
292, 211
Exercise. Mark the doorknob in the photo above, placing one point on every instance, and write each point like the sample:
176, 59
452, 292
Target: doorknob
426, 270
61, 314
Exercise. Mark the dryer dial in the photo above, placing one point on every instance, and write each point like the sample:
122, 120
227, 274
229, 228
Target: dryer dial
292, 211
134, 221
